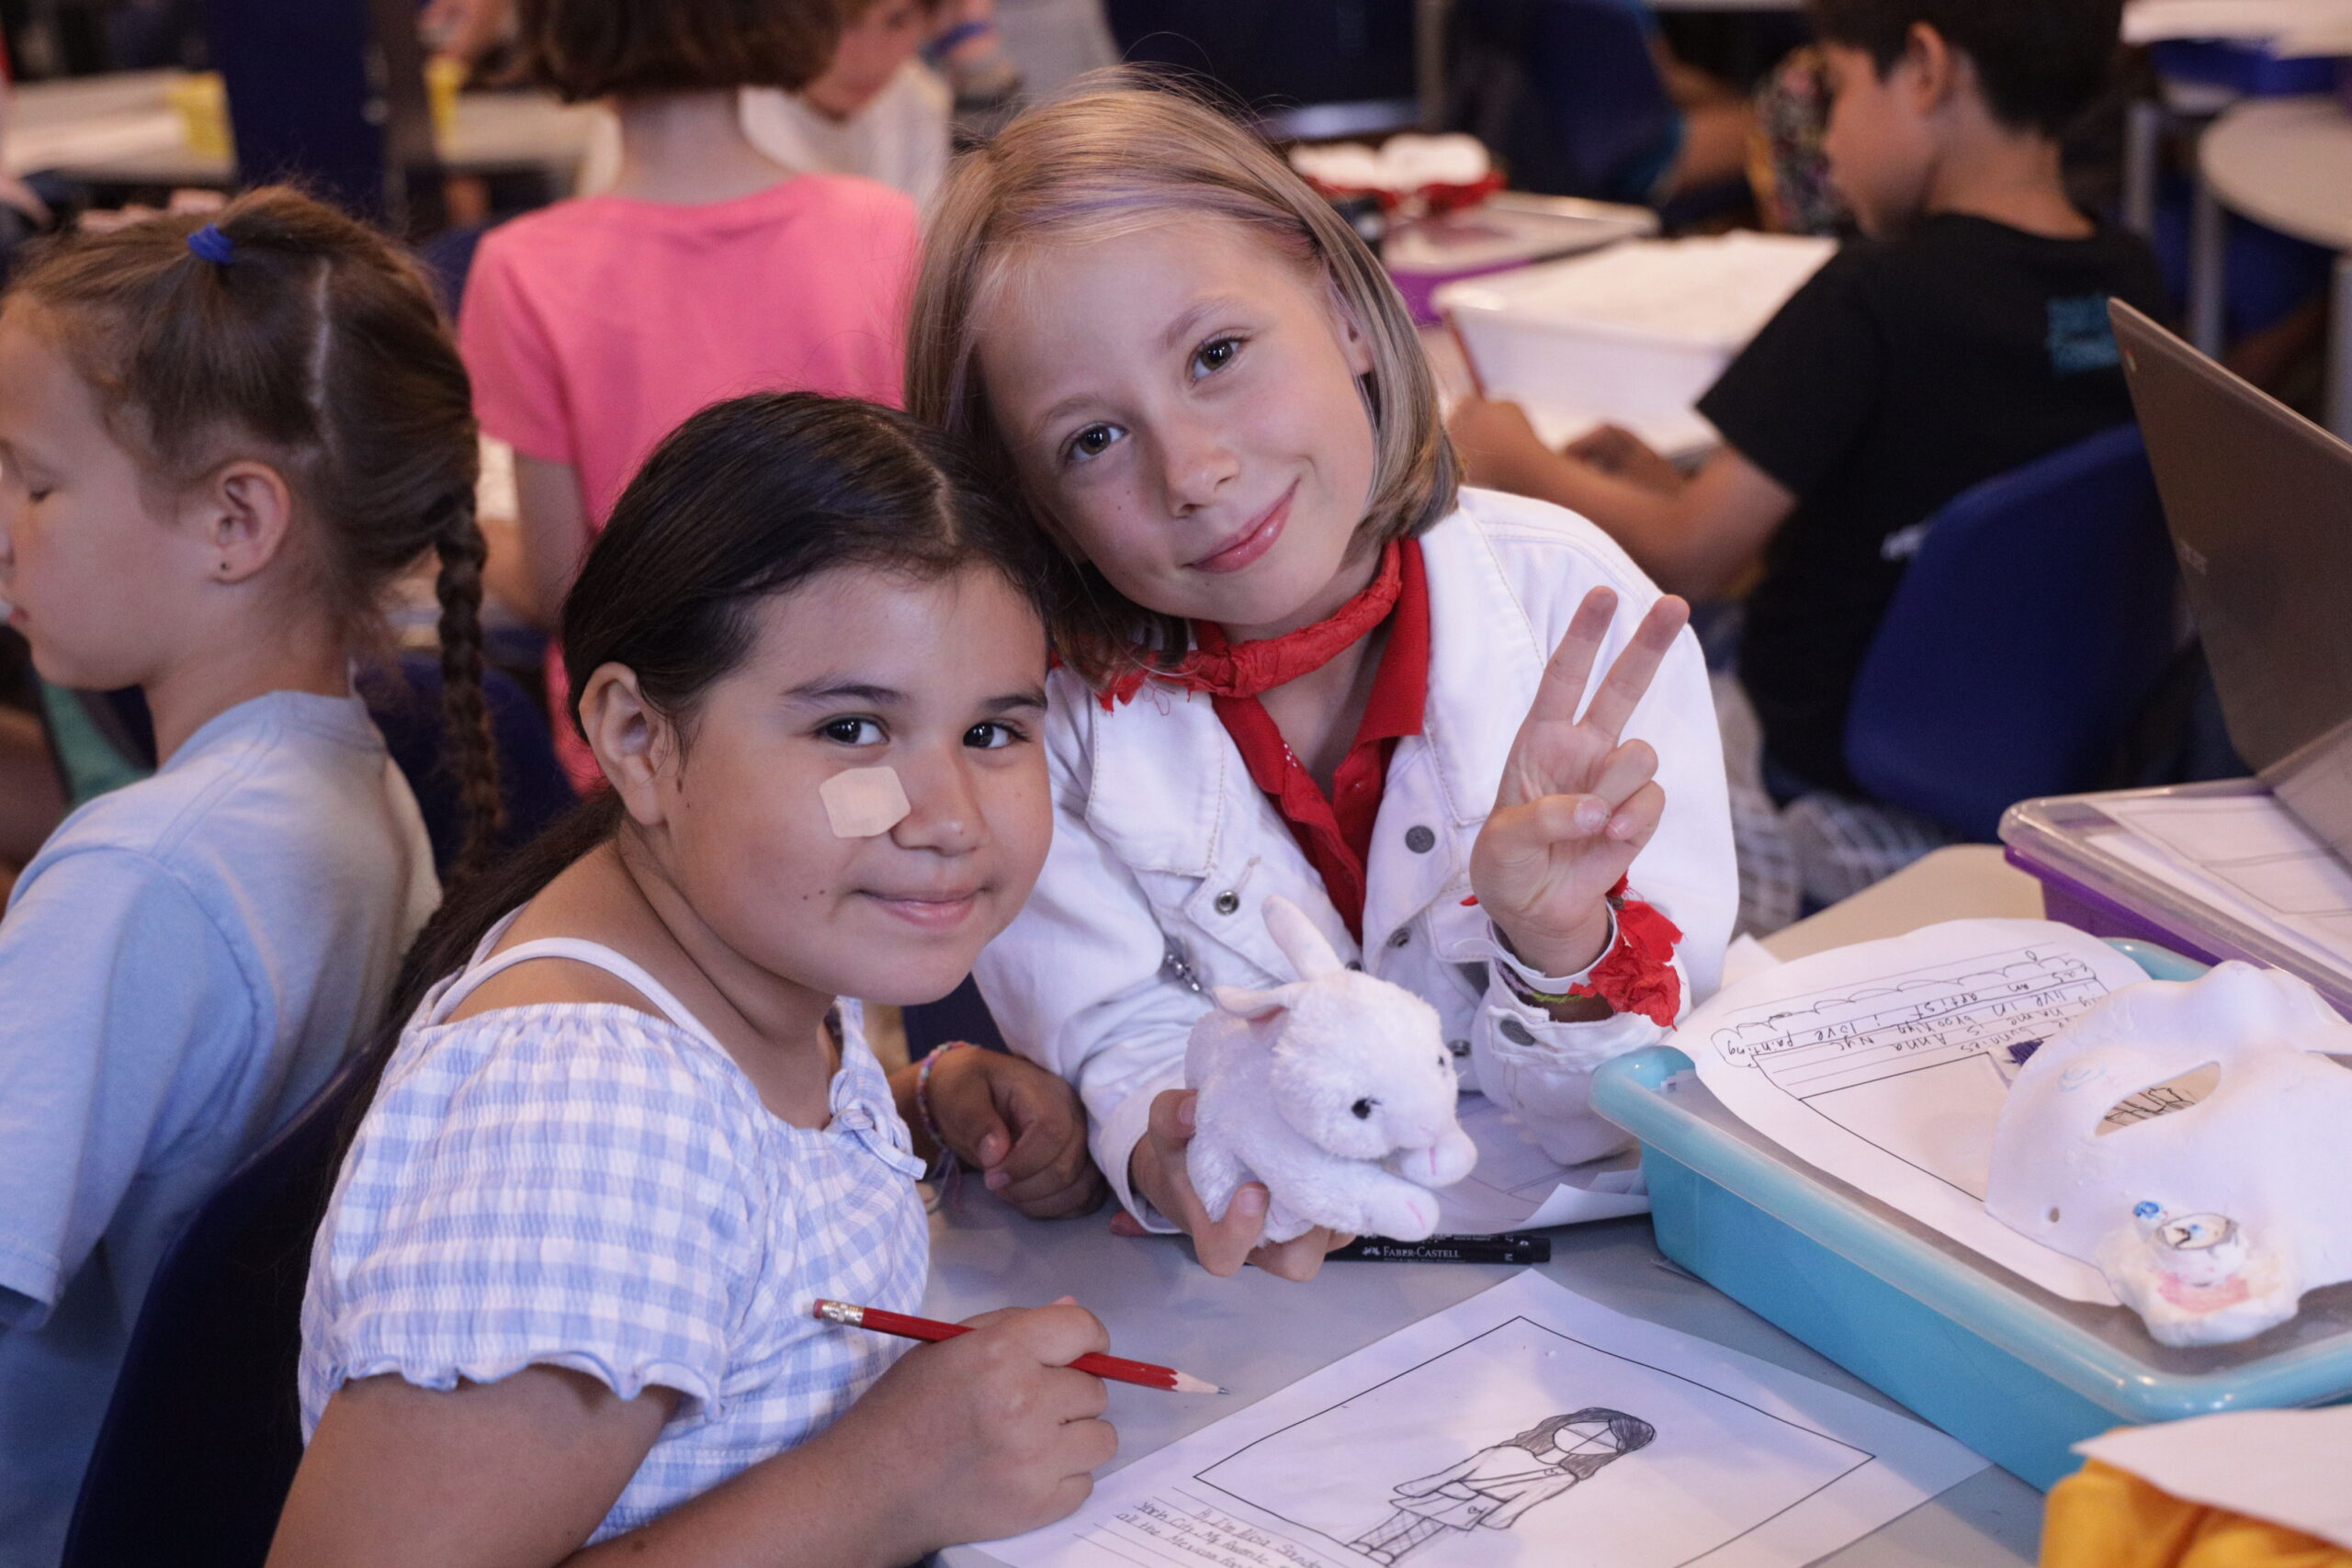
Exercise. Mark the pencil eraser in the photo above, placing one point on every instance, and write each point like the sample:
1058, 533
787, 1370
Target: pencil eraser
864, 802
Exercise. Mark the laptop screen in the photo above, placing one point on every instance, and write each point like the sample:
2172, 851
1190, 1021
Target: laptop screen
2259, 502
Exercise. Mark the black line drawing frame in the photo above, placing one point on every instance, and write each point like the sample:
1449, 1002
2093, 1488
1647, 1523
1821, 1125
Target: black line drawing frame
1343, 1552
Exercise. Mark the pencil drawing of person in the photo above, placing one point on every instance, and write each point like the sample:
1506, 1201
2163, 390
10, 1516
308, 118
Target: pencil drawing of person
1494, 1486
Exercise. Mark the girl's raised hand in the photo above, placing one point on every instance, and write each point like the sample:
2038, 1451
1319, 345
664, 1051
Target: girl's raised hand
1576, 803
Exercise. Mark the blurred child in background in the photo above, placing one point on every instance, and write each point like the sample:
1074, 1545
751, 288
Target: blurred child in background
1964, 335
708, 270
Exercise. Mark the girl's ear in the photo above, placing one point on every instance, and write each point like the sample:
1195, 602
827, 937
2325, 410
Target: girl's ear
1354, 343
634, 744
243, 513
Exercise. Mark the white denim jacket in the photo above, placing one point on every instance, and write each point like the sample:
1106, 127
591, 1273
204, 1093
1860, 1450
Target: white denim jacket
1164, 849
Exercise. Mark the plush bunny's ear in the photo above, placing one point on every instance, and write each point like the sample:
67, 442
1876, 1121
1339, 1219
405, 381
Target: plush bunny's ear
1243, 1002
1308, 950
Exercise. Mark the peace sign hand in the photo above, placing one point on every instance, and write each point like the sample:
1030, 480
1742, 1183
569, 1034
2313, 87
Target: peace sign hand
1575, 805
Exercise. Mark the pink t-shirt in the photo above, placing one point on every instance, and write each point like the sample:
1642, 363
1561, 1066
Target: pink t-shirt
593, 327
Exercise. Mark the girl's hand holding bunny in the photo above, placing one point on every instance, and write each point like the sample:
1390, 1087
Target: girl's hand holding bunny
1158, 1170
1576, 803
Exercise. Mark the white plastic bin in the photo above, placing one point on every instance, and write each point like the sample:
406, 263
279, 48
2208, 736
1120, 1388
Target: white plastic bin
1632, 334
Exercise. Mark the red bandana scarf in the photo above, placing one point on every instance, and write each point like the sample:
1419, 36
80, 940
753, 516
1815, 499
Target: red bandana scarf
1252, 668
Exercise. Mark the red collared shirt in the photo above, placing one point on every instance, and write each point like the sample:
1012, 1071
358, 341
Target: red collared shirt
1336, 830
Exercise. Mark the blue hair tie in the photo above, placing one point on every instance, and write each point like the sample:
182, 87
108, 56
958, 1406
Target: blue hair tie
213, 245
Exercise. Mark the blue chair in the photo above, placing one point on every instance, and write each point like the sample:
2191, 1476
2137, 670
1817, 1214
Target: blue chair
2035, 621
203, 1436
406, 706
1568, 94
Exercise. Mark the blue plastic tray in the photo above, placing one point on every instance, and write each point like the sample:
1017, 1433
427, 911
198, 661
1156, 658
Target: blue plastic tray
2015, 1372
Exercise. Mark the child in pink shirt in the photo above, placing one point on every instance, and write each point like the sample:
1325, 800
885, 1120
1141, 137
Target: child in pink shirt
594, 327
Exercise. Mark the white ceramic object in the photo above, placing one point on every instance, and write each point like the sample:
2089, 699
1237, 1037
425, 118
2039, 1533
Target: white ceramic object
2188, 1138
1632, 334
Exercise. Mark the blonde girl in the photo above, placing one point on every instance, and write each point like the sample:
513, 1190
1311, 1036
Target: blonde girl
1300, 660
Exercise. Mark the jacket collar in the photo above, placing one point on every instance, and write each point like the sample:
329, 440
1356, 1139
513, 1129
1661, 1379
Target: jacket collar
1170, 793
1486, 660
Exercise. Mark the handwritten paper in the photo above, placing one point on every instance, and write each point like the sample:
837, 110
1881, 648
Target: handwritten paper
1886, 1063
1526, 1425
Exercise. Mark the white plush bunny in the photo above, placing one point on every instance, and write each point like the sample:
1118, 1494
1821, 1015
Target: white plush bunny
1335, 1091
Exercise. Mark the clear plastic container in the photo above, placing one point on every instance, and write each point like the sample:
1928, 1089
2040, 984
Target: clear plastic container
2061, 840
2015, 1372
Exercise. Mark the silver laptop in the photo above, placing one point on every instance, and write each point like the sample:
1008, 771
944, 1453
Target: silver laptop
2259, 502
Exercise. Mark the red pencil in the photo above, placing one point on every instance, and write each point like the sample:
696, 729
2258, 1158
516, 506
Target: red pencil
1118, 1369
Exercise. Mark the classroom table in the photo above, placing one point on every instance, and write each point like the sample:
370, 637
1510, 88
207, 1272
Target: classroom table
119, 130
1256, 1334
2287, 162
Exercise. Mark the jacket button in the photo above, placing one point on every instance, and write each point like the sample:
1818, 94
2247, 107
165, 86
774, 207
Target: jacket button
1516, 1032
1404, 937
1419, 840
1459, 1047
1226, 903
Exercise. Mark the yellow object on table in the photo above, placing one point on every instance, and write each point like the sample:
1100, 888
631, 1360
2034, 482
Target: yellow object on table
202, 104
2104, 1518
443, 78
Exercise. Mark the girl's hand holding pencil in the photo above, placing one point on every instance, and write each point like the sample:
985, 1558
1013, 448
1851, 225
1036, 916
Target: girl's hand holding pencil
988, 1434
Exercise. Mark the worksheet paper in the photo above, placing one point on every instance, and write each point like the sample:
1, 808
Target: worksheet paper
1886, 1063
1526, 1425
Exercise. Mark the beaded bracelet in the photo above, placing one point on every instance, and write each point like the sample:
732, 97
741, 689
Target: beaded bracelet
946, 1158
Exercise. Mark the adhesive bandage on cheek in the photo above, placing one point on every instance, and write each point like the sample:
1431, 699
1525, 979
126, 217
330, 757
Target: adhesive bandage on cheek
864, 802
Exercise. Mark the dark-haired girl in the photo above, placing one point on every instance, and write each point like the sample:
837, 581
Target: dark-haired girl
561, 1295
219, 446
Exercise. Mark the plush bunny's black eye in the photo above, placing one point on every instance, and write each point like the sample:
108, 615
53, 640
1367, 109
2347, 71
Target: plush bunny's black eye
1362, 1107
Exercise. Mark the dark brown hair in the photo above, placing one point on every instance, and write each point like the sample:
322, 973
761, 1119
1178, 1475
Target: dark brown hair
2041, 62
315, 347
1119, 151
587, 49
747, 499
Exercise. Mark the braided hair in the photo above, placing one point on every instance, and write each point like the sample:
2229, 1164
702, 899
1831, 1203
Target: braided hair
286, 330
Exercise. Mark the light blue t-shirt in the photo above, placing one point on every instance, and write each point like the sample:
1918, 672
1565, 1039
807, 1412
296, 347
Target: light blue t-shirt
186, 960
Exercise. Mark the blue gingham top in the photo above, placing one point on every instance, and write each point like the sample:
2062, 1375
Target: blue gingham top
588, 1185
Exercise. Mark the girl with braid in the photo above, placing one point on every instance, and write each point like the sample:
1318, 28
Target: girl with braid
219, 446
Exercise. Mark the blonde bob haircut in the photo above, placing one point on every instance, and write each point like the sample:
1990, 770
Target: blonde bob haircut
1116, 154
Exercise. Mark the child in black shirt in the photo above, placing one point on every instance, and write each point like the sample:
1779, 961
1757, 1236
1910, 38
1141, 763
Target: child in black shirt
1964, 335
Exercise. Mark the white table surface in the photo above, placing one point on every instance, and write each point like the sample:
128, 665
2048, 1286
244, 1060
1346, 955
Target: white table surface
1256, 1334
2285, 163
491, 133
